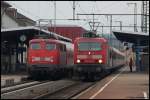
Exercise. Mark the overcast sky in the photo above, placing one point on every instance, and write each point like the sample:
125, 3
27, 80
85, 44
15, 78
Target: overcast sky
45, 10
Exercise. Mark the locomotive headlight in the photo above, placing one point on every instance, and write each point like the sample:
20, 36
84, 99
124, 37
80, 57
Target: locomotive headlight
78, 61
100, 61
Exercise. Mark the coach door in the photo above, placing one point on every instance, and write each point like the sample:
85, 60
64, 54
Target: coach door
63, 55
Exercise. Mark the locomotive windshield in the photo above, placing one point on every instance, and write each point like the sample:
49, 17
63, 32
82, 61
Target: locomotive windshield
90, 46
50, 46
35, 46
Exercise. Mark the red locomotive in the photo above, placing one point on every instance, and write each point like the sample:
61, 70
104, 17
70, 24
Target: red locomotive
92, 56
49, 56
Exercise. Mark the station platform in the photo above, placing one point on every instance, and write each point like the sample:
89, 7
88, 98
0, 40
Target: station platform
12, 78
122, 84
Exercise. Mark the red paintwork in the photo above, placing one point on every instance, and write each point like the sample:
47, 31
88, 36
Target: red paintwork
46, 53
102, 52
42, 52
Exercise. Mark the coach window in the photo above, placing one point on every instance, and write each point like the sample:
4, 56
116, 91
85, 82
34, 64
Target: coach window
35, 46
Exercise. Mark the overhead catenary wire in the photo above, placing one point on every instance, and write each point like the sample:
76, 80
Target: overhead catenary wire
62, 14
102, 8
84, 12
77, 5
107, 6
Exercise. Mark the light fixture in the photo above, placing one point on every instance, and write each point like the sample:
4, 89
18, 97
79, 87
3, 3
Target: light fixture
78, 61
100, 61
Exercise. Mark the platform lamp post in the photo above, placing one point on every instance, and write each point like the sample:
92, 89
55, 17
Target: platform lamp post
102, 29
110, 34
39, 26
54, 16
135, 15
22, 39
110, 27
120, 30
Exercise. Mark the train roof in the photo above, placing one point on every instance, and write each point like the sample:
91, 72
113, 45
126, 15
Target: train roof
46, 40
68, 44
49, 40
97, 39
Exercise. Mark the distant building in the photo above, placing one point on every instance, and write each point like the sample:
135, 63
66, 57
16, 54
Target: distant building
10, 18
69, 31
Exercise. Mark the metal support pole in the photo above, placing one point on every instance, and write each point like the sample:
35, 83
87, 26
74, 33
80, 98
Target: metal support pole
39, 26
146, 28
93, 22
142, 17
138, 60
110, 34
135, 12
54, 16
102, 30
120, 24
110, 23
135, 16
73, 10
22, 53
9, 58
16, 66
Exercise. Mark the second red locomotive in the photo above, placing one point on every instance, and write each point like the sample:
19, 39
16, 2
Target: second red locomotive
49, 56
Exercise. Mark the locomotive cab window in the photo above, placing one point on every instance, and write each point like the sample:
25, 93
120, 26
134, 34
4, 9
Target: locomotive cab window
50, 46
35, 46
89, 46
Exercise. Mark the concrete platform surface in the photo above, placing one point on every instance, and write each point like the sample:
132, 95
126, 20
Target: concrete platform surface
15, 77
123, 84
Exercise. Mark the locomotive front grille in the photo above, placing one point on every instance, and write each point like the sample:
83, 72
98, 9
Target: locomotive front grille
81, 56
89, 56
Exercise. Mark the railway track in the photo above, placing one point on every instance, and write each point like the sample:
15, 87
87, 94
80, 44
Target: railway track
71, 91
35, 89
17, 83
11, 82
19, 86
68, 92
60, 89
